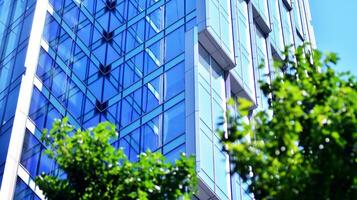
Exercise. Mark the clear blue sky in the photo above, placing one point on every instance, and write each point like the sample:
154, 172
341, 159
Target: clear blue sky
335, 28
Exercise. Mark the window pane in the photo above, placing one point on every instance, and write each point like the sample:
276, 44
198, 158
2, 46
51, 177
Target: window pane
205, 106
206, 147
4, 143
152, 94
174, 122
31, 152
151, 134
175, 81
174, 11
175, 43
220, 170
218, 80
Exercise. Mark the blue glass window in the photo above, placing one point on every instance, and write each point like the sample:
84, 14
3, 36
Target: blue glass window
18, 68
23, 191
44, 63
156, 22
130, 75
131, 108
175, 43
190, 5
174, 122
175, 81
154, 56
135, 7
130, 144
4, 143
151, 134
31, 152
38, 107
75, 98
173, 155
12, 103
46, 164
71, 16
175, 10
152, 94
135, 35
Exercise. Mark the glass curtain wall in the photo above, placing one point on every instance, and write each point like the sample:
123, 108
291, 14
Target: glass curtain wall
286, 23
297, 16
243, 71
277, 32
261, 66
122, 63
15, 26
214, 169
219, 19
262, 7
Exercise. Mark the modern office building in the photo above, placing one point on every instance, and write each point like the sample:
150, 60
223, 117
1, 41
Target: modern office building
161, 70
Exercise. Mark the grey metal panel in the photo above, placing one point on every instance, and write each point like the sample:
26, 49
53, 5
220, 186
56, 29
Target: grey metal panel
238, 90
204, 192
208, 41
191, 93
260, 21
275, 52
288, 4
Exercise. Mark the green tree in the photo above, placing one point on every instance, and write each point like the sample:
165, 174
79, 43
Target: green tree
95, 170
304, 146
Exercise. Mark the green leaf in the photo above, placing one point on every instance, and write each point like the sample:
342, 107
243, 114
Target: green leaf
305, 145
96, 170
244, 106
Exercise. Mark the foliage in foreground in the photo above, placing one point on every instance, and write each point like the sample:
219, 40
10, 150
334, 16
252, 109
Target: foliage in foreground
95, 170
305, 145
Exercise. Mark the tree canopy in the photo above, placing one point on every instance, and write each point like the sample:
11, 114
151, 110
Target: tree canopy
93, 169
304, 146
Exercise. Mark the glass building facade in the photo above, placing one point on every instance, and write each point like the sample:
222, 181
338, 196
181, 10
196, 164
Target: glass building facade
160, 70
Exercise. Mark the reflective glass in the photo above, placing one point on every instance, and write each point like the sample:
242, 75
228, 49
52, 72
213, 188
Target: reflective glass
286, 22
31, 152
277, 38
23, 191
262, 73
175, 43
151, 134
174, 122
152, 94
297, 16
262, 7
206, 158
205, 106
4, 143
217, 80
174, 10
175, 81
155, 22
221, 173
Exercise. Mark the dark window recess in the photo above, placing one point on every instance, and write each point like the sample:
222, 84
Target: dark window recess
104, 70
110, 5
101, 107
107, 36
